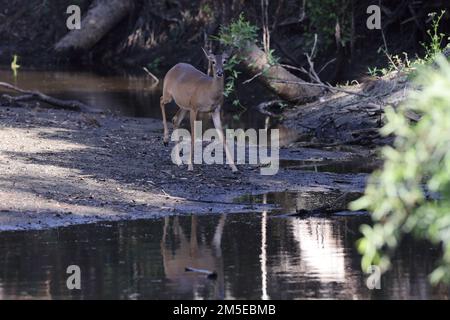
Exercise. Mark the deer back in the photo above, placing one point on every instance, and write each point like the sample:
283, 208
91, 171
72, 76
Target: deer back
191, 88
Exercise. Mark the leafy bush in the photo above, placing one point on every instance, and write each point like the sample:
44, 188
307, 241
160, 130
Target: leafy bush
238, 33
235, 35
411, 194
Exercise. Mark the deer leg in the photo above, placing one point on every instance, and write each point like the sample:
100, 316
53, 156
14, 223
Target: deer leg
191, 156
218, 126
163, 103
178, 118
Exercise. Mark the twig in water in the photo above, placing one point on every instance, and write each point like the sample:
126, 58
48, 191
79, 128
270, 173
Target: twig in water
151, 75
209, 274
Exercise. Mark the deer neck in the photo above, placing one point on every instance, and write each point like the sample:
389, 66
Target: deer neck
217, 85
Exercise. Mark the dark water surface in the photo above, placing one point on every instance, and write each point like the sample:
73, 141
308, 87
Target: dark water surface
255, 256
124, 94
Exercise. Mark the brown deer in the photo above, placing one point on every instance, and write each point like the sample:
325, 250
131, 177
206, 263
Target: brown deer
194, 91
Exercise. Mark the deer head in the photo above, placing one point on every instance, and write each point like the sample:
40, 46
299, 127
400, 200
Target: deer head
218, 61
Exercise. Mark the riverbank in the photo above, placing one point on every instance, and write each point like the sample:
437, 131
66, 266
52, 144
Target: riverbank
62, 168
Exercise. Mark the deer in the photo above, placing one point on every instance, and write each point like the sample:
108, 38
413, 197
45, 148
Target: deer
193, 91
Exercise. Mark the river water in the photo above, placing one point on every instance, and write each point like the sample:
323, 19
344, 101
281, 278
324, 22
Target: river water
255, 256
263, 255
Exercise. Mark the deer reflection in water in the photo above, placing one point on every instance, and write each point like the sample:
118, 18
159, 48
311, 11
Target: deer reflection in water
179, 251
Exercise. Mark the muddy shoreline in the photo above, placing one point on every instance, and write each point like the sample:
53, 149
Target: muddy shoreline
62, 168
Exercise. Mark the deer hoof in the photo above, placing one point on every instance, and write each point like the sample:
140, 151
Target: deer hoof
165, 143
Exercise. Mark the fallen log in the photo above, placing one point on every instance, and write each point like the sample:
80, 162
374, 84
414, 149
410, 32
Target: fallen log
28, 95
99, 20
285, 84
352, 116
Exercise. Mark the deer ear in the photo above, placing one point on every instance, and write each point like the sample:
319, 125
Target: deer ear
208, 55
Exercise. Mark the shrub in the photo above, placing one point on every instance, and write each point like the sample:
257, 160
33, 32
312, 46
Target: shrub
411, 193
235, 35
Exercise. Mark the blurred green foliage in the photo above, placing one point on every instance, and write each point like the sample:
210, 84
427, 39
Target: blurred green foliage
14, 65
411, 193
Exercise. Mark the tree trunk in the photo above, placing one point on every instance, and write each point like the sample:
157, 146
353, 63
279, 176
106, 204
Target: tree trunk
99, 20
296, 90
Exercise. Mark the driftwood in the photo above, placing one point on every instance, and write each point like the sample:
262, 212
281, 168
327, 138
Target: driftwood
276, 77
103, 16
348, 118
28, 95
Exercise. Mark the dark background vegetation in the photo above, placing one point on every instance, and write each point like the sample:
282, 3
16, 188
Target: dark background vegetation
159, 33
